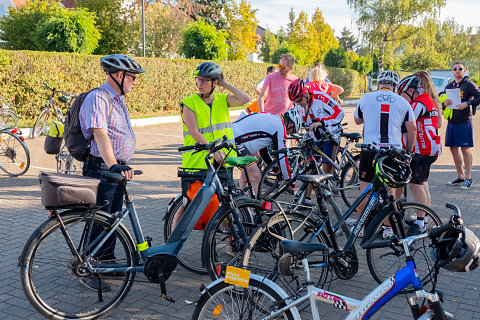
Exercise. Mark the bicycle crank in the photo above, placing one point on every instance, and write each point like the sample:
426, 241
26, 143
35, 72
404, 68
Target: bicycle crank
345, 264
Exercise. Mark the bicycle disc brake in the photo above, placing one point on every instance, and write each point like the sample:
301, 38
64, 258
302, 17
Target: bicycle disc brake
345, 264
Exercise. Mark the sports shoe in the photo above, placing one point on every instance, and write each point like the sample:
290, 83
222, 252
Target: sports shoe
456, 181
91, 282
467, 184
415, 229
308, 202
387, 232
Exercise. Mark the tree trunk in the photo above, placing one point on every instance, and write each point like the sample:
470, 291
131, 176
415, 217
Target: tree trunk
381, 57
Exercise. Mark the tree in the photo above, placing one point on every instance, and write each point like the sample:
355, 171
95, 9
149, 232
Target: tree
268, 46
68, 31
286, 48
202, 41
114, 21
213, 12
163, 30
336, 57
242, 25
347, 40
381, 20
19, 27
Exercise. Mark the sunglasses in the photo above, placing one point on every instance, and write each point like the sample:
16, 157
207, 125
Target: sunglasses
131, 76
202, 80
459, 69
282, 67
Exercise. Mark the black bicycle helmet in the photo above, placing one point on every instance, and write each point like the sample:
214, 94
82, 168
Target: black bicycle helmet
459, 252
393, 172
120, 62
209, 70
412, 81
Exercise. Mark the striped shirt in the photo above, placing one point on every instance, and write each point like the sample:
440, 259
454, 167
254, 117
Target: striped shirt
94, 113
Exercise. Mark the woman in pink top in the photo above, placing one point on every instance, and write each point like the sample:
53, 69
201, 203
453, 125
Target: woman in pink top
317, 83
274, 95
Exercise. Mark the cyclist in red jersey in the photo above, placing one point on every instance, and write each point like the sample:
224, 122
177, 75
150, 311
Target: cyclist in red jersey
427, 146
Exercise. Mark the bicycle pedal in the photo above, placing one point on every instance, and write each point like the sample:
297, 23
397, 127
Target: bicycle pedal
167, 298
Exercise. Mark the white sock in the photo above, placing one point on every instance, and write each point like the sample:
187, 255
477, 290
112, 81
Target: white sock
420, 222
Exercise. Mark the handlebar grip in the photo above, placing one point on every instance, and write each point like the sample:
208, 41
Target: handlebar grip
275, 152
436, 232
137, 172
185, 148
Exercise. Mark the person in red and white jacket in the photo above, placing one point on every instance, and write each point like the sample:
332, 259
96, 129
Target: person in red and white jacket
427, 146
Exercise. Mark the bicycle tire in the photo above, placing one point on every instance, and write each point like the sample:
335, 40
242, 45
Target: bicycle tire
51, 277
263, 250
349, 181
188, 255
217, 246
8, 119
14, 154
269, 181
383, 262
227, 301
40, 123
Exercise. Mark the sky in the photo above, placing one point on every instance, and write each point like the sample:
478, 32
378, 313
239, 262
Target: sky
272, 14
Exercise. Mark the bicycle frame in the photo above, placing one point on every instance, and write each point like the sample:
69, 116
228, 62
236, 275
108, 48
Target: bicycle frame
365, 308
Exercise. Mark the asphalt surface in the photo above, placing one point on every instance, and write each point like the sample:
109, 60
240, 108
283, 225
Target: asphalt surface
21, 213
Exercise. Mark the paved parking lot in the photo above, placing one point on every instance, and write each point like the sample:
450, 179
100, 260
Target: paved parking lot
157, 156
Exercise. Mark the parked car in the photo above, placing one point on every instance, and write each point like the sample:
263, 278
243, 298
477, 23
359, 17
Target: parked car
440, 83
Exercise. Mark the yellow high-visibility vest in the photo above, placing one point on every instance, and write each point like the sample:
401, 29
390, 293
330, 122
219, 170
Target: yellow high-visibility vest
213, 123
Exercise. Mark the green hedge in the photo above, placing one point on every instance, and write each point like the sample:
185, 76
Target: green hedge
158, 92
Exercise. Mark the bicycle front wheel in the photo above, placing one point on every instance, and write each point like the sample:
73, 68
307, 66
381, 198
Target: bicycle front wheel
227, 301
56, 282
222, 242
40, 123
8, 119
14, 154
385, 261
188, 256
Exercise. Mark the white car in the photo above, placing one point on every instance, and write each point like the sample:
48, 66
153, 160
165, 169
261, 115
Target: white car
440, 83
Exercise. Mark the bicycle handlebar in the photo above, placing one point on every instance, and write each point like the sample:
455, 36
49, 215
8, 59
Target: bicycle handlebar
213, 146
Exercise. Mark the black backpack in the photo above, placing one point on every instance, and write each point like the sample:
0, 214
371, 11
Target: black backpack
78, 146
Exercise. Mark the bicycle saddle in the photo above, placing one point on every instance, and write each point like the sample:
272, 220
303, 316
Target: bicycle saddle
294, 246
352, 136
318, 178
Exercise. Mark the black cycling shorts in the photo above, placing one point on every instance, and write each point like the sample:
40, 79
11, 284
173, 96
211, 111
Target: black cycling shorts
420, 166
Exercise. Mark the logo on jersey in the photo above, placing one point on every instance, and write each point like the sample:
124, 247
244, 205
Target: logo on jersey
386, 98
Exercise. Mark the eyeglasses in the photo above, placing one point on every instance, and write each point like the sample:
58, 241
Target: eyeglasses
131, 76
281, 67
459, 69
202, 80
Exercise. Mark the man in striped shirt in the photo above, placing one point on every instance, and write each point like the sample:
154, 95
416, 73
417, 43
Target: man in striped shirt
105, 120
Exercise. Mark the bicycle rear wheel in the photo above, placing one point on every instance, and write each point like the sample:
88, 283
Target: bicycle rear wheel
219, 245
349, 181
8, 119
40, 123
188, 255
383, 262
227, 301
14, 154
54, 280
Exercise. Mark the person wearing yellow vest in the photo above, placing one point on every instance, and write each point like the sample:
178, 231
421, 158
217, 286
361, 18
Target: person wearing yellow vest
205, 118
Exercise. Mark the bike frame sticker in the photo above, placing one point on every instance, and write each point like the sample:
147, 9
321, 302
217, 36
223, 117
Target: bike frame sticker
338, 302
371, 300
237, 276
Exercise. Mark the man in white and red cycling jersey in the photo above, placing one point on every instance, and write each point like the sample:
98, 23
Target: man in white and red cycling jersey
383, 113
256, 132
427, 146
321, 113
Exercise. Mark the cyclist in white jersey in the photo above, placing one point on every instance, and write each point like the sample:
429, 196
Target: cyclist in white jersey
383, 113
256, 132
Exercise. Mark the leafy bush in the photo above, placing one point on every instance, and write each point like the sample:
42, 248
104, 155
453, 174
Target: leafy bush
68, 31
336, 57
158, 91
202, 41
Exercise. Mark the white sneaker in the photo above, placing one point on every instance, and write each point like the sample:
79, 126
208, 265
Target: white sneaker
387, 232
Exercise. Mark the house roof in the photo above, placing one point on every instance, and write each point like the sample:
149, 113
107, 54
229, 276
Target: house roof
19, 3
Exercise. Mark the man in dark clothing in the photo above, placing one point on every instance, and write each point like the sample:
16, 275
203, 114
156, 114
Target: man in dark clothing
459, 135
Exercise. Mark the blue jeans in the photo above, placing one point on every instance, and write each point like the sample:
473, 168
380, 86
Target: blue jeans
106, 191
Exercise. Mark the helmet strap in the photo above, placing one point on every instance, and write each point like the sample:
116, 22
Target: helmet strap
209, 94
120, 86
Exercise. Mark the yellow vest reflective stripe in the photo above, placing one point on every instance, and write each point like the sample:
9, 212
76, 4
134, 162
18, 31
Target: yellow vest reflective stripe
213, 123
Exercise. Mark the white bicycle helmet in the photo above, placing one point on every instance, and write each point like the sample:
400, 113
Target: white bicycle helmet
388, 77
461, 253
292, 115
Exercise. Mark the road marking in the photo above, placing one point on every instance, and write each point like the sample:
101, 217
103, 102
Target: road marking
161, 134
